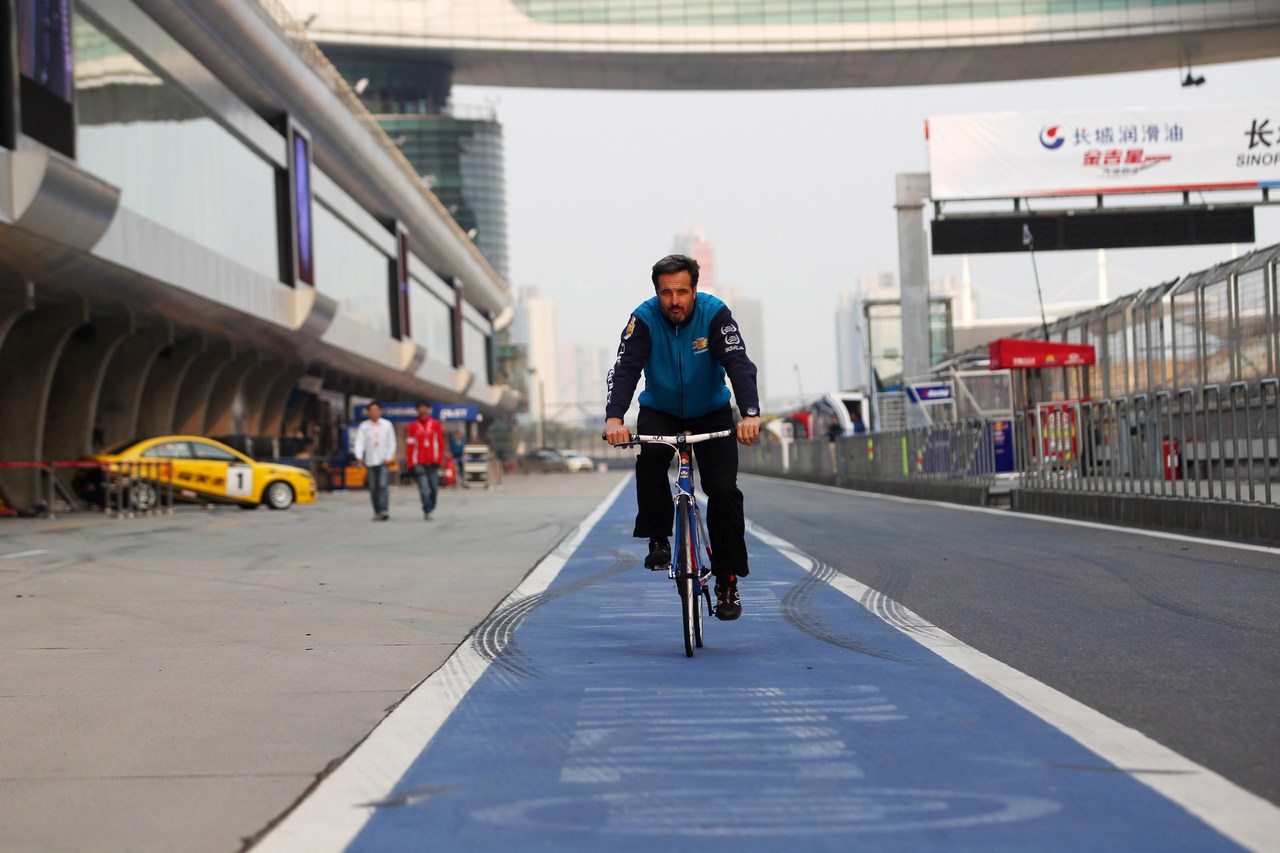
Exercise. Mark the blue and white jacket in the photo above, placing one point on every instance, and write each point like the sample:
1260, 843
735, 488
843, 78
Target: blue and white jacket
684, 365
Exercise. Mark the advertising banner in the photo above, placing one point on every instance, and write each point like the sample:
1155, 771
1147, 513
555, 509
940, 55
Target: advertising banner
1018, 353
1057, 422
1020, 155
930, 393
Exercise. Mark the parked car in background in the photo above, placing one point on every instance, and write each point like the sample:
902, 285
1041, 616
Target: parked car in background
575, 461
204, 471
544, 461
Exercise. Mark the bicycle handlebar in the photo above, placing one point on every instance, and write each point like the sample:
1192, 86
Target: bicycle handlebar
673, 440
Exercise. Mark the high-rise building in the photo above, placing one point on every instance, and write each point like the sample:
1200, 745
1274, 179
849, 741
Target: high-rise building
535, 327
869, 327
583, 368
457, 150
749, 313
853, 371
694, 243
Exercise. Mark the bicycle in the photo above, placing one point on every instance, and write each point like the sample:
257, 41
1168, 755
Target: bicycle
687, 569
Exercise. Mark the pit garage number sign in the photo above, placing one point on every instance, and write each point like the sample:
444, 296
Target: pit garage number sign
239, 481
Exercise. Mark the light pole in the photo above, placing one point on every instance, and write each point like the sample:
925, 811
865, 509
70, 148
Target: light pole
1030, 243
542, 408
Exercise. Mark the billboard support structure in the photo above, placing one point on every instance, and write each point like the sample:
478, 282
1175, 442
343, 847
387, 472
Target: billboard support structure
913, 273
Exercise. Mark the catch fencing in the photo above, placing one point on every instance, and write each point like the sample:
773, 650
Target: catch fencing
1213, 443
1179, 418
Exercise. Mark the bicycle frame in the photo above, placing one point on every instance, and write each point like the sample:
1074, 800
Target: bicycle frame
687, 569
689, 513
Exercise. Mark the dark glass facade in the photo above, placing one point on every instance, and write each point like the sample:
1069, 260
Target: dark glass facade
457, 151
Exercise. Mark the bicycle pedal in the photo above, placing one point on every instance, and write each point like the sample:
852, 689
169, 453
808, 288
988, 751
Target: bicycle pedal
665, 568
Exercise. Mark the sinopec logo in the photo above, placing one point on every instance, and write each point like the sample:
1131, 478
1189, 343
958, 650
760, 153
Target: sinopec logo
1051, 136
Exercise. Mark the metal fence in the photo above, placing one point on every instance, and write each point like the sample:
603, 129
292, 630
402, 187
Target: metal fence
1218, 443
123, 489
1215, 443
962, 452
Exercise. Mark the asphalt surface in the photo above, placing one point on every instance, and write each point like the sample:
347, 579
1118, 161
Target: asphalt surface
180, 682
177, 683
827, 718
1179, 639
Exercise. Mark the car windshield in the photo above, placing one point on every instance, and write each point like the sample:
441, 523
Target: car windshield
121, 446
201, 450
169, 450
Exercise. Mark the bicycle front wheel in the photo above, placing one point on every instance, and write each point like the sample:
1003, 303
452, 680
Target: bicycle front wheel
687, 578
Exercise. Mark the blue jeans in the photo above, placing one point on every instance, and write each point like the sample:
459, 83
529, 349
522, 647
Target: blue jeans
428, 486
378, 478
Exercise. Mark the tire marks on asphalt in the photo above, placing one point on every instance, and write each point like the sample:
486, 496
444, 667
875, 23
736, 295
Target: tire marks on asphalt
494, 638
799, 608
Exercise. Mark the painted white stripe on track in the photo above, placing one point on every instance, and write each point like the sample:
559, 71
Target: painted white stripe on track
1242, 816
18, 554
333, 814
1006, 513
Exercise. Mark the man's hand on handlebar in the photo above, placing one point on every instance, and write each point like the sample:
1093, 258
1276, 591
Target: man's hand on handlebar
748, 430
615, 433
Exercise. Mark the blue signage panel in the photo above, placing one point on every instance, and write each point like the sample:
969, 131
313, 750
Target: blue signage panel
397, 413
1001, 432
932, 392
464, 412
404, 413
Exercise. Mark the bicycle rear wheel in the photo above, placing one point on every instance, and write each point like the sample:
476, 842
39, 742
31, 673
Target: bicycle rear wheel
687, 578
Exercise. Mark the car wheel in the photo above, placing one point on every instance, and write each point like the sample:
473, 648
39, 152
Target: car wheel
279, 495
143, 496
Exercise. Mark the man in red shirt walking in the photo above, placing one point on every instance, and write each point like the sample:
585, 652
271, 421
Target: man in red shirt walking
424, 451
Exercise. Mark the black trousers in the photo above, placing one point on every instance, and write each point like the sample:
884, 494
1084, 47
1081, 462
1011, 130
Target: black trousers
716, 469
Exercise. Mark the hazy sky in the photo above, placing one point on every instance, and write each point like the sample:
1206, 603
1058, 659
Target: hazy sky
796, 191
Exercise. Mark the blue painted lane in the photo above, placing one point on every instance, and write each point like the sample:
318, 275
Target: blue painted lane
809, 721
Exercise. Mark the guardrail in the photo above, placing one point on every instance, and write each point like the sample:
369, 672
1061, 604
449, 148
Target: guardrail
1217, 445
128, 489
958, 454
1212, 443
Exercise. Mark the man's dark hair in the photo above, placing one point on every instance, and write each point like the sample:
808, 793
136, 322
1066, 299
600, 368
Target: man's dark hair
676, 263
422, 403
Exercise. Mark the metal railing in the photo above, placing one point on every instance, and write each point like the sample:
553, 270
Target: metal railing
1212, 443
962, 452
124, 489
1216, 443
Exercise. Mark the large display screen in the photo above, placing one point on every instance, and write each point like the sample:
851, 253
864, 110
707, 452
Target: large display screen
40, 30
402, 282
300, 180
44, 45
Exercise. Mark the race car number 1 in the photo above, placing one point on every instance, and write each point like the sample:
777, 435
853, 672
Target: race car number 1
239, 481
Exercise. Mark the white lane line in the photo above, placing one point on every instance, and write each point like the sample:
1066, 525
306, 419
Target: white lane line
1005, 513
18, 554
1243, 817
338, 808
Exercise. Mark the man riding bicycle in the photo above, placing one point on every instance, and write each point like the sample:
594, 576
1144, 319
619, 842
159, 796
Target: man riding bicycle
685, 343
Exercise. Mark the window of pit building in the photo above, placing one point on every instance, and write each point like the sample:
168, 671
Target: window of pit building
175, 164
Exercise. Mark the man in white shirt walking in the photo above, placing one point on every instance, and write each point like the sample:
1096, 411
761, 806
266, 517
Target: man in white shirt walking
375, 447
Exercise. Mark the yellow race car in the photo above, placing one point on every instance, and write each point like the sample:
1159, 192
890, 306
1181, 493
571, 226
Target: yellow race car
203, 470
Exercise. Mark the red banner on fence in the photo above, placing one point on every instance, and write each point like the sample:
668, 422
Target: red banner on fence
1017, 353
